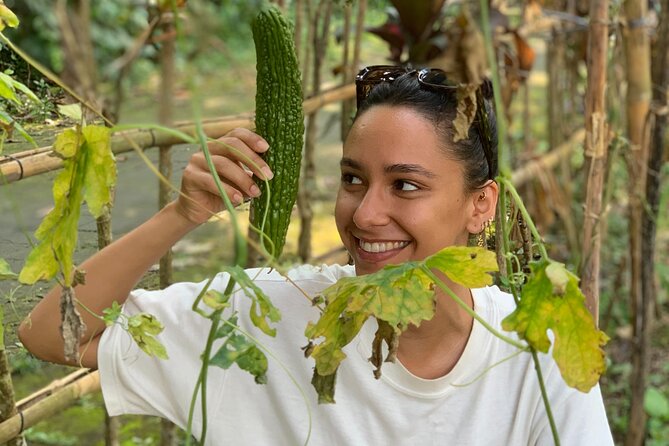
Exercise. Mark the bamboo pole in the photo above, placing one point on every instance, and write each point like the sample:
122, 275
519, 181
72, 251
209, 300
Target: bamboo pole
168, 430
637, 56
49, 406
37, 161
308, 177
595, 151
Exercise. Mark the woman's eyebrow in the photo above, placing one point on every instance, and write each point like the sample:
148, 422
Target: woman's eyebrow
348, 162
410, 168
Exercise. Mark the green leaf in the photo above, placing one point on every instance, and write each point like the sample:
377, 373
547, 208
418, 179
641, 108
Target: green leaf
262, 308
468, 266
401, 295
578, 342
237, 349
112, 314
143, 328
72, 111
100, 169
225, 329
7, 17
7, 88
8, 120
397, 295
25, 90
6, 271
325, 385
656, 404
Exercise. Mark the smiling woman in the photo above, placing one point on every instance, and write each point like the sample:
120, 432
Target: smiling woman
410, 186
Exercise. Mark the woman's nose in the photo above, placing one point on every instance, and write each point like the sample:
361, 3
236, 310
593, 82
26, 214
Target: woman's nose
372, 210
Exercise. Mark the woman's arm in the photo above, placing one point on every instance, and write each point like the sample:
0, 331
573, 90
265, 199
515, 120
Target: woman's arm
113, 272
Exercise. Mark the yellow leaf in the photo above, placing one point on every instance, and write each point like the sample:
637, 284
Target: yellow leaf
67, 144
468, 266
577, 349
7, 17
100, 174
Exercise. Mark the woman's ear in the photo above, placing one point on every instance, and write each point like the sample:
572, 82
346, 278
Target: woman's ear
484, 203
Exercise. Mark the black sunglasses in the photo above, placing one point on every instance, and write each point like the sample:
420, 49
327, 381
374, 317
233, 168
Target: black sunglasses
431, 79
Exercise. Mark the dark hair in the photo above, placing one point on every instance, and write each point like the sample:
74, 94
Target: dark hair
439, 106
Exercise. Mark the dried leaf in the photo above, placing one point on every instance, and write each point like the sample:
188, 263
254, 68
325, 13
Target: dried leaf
72, 327
578, 342
325, 386
389, 335
466, 111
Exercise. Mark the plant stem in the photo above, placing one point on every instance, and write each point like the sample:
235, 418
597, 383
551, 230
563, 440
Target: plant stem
544, 396
528, 220
471, 312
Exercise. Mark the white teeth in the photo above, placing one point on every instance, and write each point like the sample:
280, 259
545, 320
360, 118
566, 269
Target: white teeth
381, 247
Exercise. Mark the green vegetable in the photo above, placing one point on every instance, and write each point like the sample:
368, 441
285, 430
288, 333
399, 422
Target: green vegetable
280, 120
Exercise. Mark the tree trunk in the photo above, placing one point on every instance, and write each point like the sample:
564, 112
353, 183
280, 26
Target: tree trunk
79, 62
168, 436
7, 402
637, 56
309, 164
345, 71
658, 152
112, 424
596, 143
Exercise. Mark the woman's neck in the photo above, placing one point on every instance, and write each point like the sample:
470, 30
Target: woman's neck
431, 350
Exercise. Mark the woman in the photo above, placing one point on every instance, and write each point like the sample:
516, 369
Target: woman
407, 190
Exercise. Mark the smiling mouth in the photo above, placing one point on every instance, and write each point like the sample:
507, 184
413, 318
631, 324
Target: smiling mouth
381, 247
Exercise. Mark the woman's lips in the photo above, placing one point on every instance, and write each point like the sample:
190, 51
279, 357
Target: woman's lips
378, 251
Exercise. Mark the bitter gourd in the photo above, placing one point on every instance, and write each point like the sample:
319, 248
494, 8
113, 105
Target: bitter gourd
279, 119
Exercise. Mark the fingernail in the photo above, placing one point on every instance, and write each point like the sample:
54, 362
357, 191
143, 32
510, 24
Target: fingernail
262, 145
254, 190
237, 199
267, 172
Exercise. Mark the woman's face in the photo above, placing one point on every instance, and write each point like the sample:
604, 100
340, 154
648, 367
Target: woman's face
401, 198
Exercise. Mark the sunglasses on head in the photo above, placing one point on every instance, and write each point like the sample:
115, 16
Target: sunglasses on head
432, 79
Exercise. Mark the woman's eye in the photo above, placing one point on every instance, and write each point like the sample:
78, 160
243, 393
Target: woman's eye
405, 186
347, 178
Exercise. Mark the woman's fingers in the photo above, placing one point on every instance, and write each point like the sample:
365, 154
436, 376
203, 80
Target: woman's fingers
201, 180
244, 146
230, 172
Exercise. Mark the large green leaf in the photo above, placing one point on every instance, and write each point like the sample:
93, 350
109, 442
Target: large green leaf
397, 296
549, 304
7, 88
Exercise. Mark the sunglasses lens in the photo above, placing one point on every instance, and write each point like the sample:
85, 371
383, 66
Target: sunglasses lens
370, 76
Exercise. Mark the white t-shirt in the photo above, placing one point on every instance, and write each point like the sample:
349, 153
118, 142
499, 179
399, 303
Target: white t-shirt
480, 402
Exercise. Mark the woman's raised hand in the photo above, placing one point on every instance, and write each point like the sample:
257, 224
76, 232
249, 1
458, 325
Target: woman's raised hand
236, 158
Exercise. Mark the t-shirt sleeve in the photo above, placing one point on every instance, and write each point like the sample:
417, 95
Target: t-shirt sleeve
580, 419
135, 383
